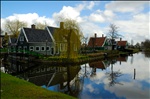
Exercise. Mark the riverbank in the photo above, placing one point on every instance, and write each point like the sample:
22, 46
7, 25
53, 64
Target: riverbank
84, 58
15, 88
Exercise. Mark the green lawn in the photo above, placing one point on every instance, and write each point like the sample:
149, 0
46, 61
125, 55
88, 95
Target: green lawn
15, 88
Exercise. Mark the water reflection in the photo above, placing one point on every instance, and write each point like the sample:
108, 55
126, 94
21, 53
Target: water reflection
119, 78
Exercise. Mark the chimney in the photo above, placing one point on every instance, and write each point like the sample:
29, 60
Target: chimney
33, 26
61, 25
120, 39
95, 35
102, 35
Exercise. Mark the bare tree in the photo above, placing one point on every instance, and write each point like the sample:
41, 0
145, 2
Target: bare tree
40, 25
113, 75
14, 27
113, 34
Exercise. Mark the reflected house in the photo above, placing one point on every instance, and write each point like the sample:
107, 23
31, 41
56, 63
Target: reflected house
49, 76
122, 59
100, 64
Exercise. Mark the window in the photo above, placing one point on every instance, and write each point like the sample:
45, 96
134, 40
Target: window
21, 38
61, 47
42, 48
47, 48
31, 48
37, 48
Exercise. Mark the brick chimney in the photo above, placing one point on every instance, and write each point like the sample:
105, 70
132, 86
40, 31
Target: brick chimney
102, 35
33, 26
120, 39
95, 35
61, 25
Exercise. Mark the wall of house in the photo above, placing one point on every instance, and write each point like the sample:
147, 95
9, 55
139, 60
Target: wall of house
41, 48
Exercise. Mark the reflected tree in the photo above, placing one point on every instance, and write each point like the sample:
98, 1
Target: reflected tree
113, 75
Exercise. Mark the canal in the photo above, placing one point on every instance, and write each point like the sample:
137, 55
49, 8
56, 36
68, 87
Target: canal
126, 77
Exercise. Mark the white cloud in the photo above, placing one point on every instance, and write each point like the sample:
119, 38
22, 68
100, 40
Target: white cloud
29, 18
126, 6
91, 5
96, 17
67, 12
137, 28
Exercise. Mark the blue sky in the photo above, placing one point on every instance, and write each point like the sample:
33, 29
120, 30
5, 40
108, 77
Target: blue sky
132, 17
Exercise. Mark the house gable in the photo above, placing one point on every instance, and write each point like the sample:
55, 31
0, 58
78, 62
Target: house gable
37, 35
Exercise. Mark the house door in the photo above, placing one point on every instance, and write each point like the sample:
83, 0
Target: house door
52, 51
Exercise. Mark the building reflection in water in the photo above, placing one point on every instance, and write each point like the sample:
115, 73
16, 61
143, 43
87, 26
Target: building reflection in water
66, 79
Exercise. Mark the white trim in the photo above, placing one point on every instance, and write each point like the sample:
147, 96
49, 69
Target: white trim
37, 47
50, 34
104, 42
43, 47
30, 48
25, 34
22, 29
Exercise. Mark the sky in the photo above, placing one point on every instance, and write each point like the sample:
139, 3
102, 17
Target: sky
131, 17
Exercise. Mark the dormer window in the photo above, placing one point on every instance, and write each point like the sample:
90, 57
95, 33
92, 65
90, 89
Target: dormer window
21, 38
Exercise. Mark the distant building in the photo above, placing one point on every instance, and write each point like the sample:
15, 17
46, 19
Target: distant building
121, 45
99, 43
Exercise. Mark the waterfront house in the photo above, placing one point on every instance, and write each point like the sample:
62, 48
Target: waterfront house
60, 39
37, 40
122, 45
99, 43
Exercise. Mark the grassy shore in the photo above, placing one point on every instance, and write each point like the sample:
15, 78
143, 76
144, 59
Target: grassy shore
15, 88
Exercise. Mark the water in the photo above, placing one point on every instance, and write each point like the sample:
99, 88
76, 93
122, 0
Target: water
120, 78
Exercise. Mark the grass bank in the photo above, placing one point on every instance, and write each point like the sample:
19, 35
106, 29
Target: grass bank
15, 88
78, 60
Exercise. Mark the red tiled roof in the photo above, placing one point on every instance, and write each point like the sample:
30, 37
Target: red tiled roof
97, 42
121, 43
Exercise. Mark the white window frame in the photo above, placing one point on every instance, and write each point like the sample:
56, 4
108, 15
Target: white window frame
37, 47
43, 47
30, 48
21, 38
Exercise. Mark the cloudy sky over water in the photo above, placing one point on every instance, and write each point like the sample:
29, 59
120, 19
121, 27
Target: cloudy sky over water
132, 17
